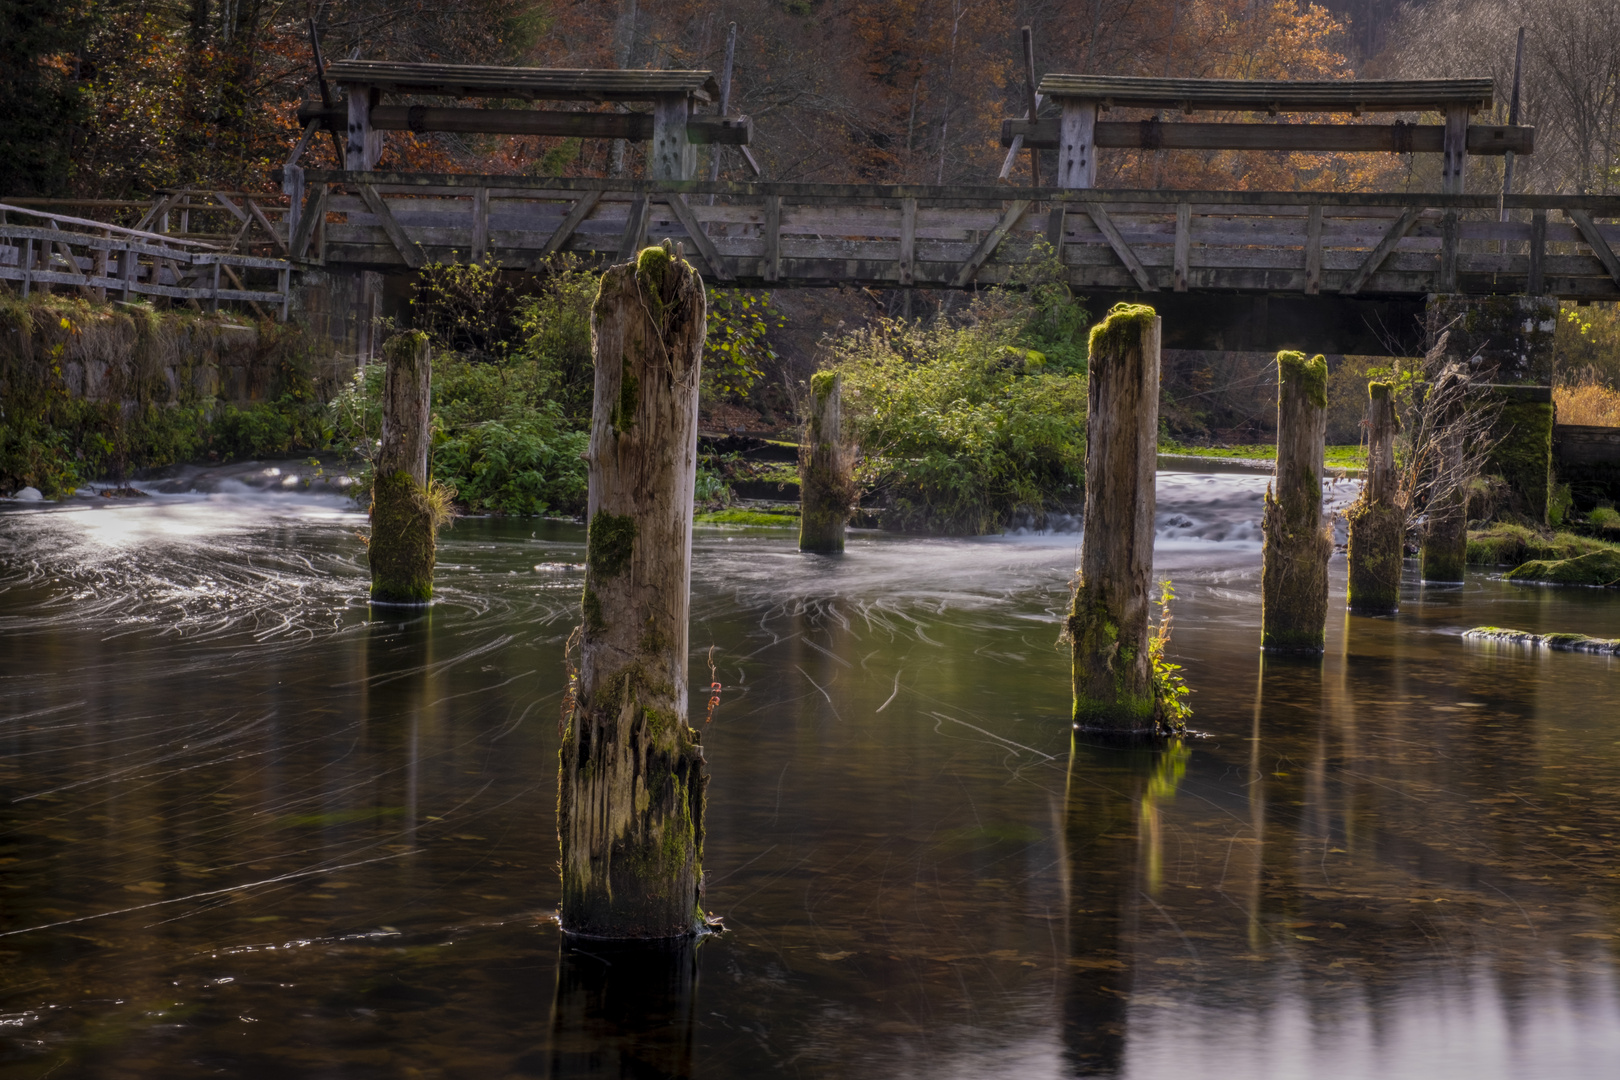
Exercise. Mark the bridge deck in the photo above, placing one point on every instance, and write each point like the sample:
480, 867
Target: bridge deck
813, 234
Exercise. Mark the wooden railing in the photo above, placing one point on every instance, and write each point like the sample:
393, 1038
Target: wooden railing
1133, 241
40, 250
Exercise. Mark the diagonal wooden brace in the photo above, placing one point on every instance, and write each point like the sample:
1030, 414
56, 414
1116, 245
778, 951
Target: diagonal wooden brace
571, 221
992, 240
700, 239
411, 253
1375, 259
311, 216
1105, 225
1594, 239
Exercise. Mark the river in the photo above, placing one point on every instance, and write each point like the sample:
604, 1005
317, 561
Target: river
250, 828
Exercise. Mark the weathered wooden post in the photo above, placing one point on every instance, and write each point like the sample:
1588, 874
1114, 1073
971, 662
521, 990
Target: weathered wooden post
1108, 622
630, 794
825, 486
1294, 578
404, 512
1377, 526
1443, 556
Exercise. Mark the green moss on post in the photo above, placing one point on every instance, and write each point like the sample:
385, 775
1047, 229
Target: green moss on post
1293, 581
1108, 618
1377, 527
826, 488
1444, 554
405, 511
1523, 452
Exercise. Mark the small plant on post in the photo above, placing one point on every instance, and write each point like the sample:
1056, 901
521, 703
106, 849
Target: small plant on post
407, 509
632, 777
1108, 617
1294, 577
1377, 523
826, 487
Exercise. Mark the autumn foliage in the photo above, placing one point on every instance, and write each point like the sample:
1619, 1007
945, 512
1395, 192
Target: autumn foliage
148, 95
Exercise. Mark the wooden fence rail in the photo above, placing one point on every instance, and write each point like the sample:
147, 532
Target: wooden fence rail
763, 234
102, 260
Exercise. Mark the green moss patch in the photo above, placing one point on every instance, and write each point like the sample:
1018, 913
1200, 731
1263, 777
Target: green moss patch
609, 542
1555, 642
1121, 329
1600, 568
747, 517
1309, 372
1504, 544
1346, 456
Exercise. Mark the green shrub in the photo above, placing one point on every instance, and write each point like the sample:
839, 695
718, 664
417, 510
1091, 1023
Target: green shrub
963, 426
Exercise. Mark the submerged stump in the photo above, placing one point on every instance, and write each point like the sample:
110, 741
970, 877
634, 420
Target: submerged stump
1294, 574
826, 488
630, 792
1377, 526
1108, 620
405, 511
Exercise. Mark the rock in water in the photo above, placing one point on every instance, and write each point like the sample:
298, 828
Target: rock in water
1556, 642
29, 494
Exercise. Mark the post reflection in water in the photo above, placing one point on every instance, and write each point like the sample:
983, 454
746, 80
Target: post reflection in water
624, 1009
394, 695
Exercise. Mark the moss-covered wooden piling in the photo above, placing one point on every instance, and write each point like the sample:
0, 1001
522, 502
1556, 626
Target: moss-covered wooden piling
405, 510
1444, 554
1293, 579
1377, 526
1108, 621
630, 793
825, 486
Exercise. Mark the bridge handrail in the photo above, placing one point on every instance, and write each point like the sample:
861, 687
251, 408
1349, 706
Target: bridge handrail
103, 226
1599, 205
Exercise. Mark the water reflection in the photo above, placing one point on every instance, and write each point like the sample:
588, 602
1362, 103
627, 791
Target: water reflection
248, 828
621, 1010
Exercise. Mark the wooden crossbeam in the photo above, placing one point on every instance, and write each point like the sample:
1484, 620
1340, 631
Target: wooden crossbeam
1105, 225
1376, 257
1594, 239
991, 241
1388, 138
571, 221
411, 253
264, 223
236, 211
700, 239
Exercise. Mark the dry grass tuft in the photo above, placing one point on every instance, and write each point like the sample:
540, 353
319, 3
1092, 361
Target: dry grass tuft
1588, 401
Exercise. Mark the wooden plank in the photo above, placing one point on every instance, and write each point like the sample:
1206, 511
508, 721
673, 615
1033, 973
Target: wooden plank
1448, 254
1455, 161
396, 235
1077, 152
1183, 244
480, 224
908, 241
771, 268
1328, 138
992, 239
313, 213
1123, 250
1055, 230
1594, 240
635, 229
1381, 252
1535, 281
700, 239
1256, 95
1313, 251
576, 214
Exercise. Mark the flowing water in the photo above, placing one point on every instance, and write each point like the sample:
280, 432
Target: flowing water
249, 827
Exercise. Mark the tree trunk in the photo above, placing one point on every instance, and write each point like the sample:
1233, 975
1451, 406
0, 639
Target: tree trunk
630, 802
1377, 527
1108, 621
825, 487
401, 548
1294, 580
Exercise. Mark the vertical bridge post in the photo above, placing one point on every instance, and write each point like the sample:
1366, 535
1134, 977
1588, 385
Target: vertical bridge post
1294, 578
1077, 143
365, 142
1108, 619
672, 156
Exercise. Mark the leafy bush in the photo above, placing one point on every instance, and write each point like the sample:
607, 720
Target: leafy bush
963, 426
524, 466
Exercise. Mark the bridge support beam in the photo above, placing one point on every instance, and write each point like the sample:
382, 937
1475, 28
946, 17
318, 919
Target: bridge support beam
1377, 526
1506, 342
1108, 619
1294, 577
